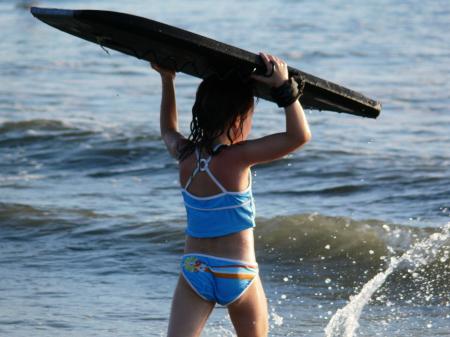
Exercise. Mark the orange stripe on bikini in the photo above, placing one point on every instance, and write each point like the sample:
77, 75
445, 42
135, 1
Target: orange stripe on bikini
234, 276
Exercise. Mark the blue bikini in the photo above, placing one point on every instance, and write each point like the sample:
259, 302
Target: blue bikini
214, 278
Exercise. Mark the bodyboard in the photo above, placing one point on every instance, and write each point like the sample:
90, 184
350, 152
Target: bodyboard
195, 55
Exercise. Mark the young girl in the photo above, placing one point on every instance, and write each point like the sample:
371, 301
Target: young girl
219, 264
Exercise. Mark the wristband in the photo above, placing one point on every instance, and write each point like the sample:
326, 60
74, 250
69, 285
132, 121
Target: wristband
288, 92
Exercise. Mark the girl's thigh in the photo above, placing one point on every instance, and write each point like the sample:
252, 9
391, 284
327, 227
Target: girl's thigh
249, 313
189, 311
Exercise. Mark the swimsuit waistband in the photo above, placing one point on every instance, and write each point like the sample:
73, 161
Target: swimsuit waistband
253, 264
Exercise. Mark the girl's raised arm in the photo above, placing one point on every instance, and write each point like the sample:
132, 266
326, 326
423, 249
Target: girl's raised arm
297, 132
168, 115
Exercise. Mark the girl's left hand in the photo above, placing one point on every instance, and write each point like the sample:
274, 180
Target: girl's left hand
277, 71
164, 72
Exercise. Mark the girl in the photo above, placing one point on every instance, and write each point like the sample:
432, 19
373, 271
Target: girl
219, 264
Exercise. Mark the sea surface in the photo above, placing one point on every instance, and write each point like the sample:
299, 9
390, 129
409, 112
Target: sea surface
352, 230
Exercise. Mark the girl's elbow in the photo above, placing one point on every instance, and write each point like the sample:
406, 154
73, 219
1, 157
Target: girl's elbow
297, 140
307, 137
303, 139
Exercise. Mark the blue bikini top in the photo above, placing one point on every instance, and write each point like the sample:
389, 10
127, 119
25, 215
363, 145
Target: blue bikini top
220, 214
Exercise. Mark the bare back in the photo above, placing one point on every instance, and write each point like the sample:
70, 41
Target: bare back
234, 177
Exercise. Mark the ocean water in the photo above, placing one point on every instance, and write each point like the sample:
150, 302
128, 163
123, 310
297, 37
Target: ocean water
352, 231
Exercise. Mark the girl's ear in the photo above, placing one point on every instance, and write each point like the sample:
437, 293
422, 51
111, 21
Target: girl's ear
236, 128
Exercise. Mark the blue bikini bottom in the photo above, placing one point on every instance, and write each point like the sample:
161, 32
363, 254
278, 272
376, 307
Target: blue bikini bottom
217, 279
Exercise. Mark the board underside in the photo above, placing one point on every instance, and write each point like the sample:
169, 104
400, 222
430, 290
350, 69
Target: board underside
195, 55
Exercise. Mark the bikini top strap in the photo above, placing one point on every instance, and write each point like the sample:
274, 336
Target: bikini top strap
215, 179
223, 189
190, 178
196, 170
217, 146
202, 165
208, 171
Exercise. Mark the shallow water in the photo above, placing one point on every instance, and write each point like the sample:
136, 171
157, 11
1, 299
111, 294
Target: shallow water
91, 217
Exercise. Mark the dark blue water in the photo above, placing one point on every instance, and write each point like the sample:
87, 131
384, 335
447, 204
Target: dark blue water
91, 217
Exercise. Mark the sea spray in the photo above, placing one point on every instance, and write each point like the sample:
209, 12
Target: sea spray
344, 323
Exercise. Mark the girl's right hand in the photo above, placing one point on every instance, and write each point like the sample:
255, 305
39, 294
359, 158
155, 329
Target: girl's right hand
164, 72
277, 71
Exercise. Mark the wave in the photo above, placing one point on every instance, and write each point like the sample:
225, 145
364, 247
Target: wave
97, 152
37, 132
26, 222
318, 237
343, 189
337, 253
284, 239
39, 124
47, 127
294, 55
341, 254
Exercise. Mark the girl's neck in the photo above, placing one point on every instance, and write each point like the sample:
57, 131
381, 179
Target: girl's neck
221, 140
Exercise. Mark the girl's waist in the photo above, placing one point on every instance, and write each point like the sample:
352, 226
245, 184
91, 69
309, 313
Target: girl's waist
239, 246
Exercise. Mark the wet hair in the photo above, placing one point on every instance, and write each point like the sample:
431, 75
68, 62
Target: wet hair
218, 105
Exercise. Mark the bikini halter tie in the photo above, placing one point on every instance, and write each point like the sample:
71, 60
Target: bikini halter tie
203, 164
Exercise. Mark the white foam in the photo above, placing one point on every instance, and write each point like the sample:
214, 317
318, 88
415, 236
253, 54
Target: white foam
20, 177
344, 323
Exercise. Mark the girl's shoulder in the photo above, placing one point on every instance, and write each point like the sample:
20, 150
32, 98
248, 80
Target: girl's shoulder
237, 153
233, 154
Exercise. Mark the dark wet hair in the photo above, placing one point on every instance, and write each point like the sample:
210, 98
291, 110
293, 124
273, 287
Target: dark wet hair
218, 104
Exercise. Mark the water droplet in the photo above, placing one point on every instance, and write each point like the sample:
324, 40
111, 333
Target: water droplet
277, 319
